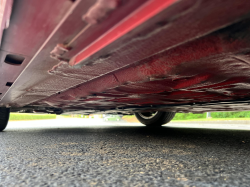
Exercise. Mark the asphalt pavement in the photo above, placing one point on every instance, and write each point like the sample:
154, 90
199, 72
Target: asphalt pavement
88, 152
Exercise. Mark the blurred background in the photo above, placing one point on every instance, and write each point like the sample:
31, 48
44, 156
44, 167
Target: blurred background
218, 116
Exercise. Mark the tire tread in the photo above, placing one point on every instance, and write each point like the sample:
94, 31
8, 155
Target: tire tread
4, 118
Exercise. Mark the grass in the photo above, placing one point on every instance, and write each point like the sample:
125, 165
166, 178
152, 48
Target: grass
244, 115
18, 116
128, 116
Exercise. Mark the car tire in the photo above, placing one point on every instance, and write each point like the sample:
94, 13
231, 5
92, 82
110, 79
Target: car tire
4, 118
155, 119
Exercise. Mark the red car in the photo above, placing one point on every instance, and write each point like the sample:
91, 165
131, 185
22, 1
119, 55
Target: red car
149, 57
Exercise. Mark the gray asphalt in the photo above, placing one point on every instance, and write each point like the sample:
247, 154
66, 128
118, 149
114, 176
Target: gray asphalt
94, 153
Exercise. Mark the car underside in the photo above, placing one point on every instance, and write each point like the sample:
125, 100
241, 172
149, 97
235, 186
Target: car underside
124, 56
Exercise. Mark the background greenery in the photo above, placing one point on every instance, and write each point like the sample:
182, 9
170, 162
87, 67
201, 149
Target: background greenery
18, 116
214, 115
178, 116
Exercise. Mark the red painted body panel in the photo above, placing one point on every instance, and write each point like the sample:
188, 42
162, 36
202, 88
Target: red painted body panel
171, 55
146, 11
5, 12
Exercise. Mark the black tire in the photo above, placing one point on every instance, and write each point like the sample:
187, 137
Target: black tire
156, 119
4, 118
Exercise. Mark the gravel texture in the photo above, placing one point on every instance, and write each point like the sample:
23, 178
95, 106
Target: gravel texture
106, 154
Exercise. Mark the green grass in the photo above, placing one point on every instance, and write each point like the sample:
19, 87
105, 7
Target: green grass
215, 116
128, 116
18, 116
189, 116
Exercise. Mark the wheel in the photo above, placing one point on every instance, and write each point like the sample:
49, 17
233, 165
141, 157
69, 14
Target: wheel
154, 119
4, 118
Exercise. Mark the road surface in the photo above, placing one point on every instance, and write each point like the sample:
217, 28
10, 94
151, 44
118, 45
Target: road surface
87, 152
